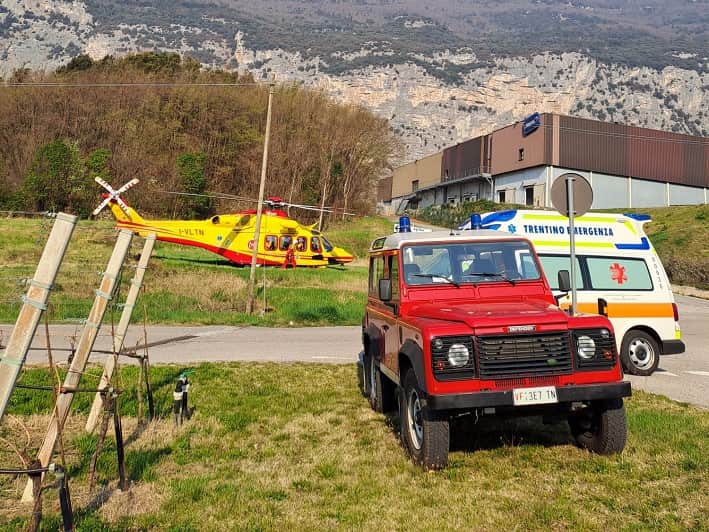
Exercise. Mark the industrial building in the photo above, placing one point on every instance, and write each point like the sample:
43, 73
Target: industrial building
627, 166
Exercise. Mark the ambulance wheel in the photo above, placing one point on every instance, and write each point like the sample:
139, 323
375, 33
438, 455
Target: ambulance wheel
639, 353
424, 432
601, 427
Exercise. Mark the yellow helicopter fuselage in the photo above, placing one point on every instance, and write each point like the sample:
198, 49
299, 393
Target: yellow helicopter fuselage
232, 237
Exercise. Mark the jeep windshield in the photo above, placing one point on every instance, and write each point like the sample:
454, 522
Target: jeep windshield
469, 262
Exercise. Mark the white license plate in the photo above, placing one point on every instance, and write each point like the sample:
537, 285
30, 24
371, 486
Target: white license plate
534, 396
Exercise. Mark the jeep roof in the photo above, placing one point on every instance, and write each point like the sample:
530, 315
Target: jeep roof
396, 240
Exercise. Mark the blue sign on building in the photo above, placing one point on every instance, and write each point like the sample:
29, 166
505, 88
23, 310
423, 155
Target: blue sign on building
531, 124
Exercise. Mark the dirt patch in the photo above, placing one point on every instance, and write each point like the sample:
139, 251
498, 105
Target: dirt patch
139, 499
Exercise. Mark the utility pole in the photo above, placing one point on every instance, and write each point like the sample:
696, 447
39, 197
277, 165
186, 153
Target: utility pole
259, 208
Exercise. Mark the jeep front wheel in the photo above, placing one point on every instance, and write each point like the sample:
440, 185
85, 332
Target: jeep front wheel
601, 427
425, 433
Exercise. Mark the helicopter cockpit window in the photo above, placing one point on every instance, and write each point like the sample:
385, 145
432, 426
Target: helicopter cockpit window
286, 242
326, 244
315, 245
215, 219
270, 242
300, 243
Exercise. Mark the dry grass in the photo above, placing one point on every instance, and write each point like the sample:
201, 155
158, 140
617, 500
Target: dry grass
182, 284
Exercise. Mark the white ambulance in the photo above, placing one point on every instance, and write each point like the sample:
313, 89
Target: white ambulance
618, 273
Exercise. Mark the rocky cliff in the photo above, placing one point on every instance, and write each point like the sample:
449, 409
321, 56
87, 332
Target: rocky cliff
428, 110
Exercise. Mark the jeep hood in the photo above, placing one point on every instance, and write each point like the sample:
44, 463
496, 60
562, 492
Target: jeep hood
492, 314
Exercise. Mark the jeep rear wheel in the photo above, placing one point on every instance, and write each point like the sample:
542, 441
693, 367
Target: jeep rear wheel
425, 433
601, 427
639, 353
376, 400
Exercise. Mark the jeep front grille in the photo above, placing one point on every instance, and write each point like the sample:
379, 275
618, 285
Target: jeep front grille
503, 357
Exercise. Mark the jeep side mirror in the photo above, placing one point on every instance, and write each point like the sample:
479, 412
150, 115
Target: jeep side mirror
385, 289
564, 282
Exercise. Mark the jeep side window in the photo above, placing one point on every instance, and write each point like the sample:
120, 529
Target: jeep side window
394, 276
376, 272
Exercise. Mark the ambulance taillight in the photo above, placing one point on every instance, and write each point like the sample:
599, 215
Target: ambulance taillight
675, 311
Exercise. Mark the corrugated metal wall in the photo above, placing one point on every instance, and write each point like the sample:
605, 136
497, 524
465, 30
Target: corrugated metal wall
464, 159
633, 151
572, 143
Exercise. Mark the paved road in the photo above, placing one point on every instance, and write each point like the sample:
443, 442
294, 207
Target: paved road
682, 377
685, 377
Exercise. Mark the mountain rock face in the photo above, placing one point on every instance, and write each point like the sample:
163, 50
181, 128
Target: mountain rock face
434, 89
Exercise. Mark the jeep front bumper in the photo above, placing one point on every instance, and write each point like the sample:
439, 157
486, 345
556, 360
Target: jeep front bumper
565, 394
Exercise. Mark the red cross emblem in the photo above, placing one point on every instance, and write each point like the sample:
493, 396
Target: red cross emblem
618, 273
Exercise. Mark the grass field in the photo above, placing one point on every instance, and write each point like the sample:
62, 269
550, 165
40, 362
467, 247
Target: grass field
296, 447
189, 285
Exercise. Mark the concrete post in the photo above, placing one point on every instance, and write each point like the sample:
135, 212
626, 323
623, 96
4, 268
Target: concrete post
83, 350
34, 303
120, 334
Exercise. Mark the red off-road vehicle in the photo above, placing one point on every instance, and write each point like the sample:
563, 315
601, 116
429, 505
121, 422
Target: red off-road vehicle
466, 322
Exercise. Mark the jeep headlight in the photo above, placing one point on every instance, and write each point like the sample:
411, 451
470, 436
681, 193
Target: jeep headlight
586, 347
458, 355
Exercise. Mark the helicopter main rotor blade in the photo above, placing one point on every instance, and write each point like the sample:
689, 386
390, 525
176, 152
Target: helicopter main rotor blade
101, 205
129, 184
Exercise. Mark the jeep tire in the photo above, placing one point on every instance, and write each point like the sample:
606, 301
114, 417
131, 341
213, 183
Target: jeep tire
601, 427
424, 432
374, 386
639, 353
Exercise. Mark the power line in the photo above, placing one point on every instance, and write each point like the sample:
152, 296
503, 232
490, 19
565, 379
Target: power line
40, 84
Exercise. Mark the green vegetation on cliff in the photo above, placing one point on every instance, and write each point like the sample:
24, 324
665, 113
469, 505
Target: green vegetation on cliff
177, 128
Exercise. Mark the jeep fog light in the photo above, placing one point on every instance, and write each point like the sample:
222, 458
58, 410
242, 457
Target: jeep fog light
587, 347
458, 355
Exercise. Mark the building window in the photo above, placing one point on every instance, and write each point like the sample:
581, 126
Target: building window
501, 196
414, 185
521, 154
529, 195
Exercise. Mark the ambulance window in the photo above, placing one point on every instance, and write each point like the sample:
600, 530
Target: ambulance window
376, 272
326, 243
553, 263
270, 242
301, 243
315, 245
286, 241
608, 273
